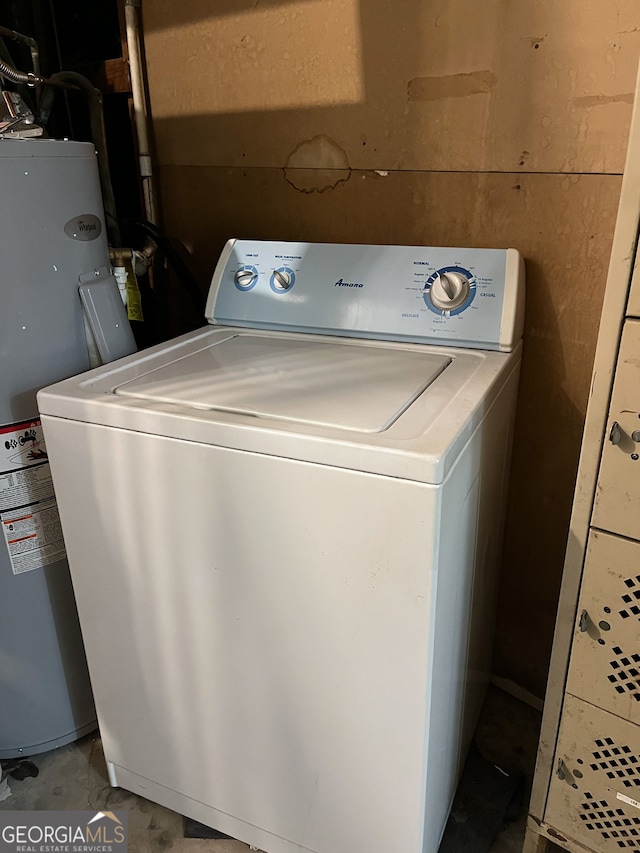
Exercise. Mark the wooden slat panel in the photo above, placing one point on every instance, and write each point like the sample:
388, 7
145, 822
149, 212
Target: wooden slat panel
617, 502
110, 76
447, 85
563, 225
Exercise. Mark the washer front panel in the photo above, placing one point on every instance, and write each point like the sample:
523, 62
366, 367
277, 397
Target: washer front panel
367, 291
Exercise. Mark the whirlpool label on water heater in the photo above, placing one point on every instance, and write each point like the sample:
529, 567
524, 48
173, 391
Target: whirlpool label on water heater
85, 227
28, 510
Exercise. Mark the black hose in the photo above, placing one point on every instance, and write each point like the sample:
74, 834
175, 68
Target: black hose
173, 257
46, 105
99, 139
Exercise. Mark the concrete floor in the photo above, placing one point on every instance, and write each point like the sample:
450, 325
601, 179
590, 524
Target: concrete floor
74, 777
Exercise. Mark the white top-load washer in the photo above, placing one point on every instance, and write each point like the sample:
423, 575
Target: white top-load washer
283, 532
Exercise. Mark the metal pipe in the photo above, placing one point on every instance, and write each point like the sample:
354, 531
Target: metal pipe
98, 136
140, 107
32, 44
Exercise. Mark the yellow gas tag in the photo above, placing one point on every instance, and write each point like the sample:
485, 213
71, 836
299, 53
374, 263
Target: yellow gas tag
134, 300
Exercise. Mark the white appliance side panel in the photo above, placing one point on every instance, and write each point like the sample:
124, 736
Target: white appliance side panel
259, 632
471, 527
493, 446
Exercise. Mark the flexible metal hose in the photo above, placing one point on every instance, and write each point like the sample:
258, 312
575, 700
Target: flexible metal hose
28, 78
31, 44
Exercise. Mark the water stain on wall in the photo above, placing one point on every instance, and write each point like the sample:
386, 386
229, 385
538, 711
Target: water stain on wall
451, 86
317, 165
601, 100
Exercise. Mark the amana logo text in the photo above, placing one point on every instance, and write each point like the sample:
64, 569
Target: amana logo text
341, 283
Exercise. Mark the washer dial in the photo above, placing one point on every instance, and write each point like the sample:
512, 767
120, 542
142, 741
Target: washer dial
246, 277
449, 290
282, 279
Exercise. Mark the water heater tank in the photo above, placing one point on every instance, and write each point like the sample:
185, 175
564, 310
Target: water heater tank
52, 240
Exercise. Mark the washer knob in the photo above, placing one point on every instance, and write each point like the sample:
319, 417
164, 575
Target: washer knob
281, 279
449, 290
245, 278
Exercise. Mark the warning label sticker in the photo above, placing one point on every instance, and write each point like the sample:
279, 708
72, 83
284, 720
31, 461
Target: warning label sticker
28, 510
628, 800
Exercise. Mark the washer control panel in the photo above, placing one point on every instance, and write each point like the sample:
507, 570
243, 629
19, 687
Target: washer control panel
461, 297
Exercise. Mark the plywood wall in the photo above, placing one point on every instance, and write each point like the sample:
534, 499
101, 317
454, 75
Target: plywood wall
441, 122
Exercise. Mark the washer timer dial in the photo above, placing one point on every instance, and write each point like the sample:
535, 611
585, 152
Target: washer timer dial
449, 290
245, 277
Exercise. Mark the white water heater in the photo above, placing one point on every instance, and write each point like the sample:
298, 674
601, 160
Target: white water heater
53, 248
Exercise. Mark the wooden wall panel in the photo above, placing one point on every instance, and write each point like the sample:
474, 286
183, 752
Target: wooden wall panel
445, 122
562, 225
442, 85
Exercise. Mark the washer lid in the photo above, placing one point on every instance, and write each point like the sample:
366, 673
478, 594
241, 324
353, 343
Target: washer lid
352, 387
